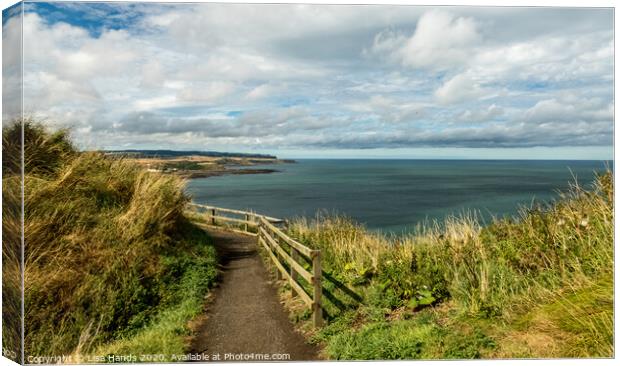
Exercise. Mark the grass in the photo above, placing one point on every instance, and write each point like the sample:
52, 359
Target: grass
164, 333
421, 337
539, 285
112, 265
11, 255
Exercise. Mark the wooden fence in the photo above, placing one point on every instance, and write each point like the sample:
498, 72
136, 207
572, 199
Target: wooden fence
294, 261
237, 220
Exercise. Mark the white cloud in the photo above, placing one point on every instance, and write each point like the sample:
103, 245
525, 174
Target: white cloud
240, 76
11, 68
390, 110
164, 101
441, 40
460, 88
481, 114
153, 75
570, 109
264, 90
66, 69
547, 58
206, 92
72, 53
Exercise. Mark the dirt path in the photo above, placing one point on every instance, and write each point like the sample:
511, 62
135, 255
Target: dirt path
246, 316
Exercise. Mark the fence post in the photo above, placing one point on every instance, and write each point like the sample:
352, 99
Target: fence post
212, 216
317, 310
295, 256
279, 275
247, 218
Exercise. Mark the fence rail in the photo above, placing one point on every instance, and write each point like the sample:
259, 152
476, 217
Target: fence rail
293, 260
246, 219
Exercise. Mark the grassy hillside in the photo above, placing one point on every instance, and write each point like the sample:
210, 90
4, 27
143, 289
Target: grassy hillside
11, 245
111, 263
113, 266
537, 286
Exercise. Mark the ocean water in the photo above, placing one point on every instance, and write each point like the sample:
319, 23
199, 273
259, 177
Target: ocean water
394, 195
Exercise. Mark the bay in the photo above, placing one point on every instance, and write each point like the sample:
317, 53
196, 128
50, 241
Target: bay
394, 195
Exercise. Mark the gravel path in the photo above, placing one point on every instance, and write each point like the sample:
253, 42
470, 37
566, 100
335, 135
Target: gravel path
245, 318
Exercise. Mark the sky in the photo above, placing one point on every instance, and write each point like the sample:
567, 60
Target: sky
303, 81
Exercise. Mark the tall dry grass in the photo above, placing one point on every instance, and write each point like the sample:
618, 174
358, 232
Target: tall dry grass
11, 268
101, 239
498, 271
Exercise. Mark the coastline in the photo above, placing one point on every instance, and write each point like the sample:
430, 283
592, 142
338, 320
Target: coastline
219, 173
202, 165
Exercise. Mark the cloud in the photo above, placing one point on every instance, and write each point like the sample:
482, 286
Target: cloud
206, 92
153, 75
495, 136
72, 53
460, 88
570, 109
481, 115
549, 58
67, 69
391, 110
240, 76
441, 40
261, 123
265, 90
11, 63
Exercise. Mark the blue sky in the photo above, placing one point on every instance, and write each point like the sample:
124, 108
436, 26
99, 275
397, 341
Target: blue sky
323, 81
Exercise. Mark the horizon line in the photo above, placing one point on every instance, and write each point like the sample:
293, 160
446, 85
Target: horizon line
383, 155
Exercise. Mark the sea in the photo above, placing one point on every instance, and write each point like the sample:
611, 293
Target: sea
393, 196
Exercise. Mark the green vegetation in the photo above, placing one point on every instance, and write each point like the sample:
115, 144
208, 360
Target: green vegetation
185, 165
195, 269
537, 286
112, 265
